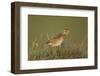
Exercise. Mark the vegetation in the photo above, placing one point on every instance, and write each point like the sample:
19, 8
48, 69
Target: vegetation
68, 50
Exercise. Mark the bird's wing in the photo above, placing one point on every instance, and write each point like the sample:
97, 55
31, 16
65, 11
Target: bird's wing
57, 36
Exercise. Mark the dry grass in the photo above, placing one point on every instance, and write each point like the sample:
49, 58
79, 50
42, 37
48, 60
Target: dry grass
68, 50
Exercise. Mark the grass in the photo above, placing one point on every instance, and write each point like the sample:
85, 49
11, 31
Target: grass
56, 54
68, 50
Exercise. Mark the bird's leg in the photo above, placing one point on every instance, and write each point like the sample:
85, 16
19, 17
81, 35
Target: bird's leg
63, 46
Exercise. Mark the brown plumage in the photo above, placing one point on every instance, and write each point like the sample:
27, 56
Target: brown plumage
58, 39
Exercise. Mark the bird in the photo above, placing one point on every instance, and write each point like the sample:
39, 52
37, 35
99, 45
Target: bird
58, 39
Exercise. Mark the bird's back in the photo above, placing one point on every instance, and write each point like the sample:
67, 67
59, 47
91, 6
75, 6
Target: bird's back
56, 40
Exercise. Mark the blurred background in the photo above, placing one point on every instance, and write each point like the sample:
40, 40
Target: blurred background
42, 27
